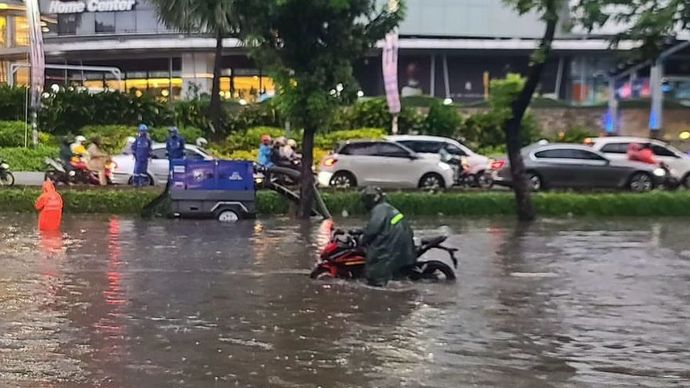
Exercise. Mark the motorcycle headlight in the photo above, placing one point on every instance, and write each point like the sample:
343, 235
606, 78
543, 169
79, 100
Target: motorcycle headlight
5, 166
659, 172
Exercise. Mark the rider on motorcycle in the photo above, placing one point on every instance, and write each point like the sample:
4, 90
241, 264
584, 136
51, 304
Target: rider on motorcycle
387, 238
78, 149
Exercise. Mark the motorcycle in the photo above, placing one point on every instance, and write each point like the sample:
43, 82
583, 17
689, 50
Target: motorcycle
6, 177
344, 258
78, 173
671, 182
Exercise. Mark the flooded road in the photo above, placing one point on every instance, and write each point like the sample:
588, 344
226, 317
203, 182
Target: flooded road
116, 302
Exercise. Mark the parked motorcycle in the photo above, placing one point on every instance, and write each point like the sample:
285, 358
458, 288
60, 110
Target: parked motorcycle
6, 177
344, 258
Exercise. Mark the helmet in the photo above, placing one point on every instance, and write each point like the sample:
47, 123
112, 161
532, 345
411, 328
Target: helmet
201, 142
265, 139
280, 141
80, 139
173, 130
292, 143
372, 196
143, 128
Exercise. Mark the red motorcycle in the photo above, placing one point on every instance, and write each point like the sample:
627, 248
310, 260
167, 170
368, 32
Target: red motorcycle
344, 258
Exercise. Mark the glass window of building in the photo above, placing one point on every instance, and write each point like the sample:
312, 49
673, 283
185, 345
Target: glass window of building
68, 23
126, 22
3, 31
105, 23
21, 31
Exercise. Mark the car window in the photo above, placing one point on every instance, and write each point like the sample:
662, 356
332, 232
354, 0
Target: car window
555, 154
159, 153
361, 149
391, 150
192, 155
566, 153
423, 147
662, 151
455, 150
615, 148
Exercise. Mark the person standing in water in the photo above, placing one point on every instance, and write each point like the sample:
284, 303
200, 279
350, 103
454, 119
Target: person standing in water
49, 207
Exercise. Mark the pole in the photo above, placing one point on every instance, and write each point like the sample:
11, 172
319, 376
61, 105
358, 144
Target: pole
611, 122
656, 119
37, 57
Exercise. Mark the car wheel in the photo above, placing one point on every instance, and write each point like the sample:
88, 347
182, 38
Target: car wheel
432, 181
343, 180
228, 216
641, 182
534, 181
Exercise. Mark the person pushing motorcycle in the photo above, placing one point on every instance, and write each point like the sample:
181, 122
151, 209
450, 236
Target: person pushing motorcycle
387, 238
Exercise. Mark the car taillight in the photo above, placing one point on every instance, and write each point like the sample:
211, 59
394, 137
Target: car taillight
330, 162
498, 164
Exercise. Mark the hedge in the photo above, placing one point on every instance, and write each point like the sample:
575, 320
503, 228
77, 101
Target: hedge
129, 201
28, 159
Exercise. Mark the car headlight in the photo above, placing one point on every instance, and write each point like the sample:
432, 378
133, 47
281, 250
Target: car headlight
659, 172
5, 166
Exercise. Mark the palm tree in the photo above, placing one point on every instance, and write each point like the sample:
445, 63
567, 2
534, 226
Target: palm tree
214, 17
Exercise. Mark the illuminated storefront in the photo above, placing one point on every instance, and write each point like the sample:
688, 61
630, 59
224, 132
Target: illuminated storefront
447, 49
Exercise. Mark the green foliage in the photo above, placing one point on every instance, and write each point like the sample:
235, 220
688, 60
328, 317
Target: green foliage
486, 129
373, 113
654, 23
69, 110
189, 134
442, 120
113, 137
12, 133
414, 204
12, 103
28, 159
575, 135
329, 140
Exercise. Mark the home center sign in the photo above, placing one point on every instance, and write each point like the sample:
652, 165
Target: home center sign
64, 7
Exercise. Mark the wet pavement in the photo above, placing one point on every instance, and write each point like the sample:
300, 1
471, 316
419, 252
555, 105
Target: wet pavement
117, 302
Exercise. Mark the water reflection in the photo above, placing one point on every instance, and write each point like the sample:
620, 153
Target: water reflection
120, 303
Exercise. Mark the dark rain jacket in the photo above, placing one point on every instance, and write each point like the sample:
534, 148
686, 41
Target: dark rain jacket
141, 148
175, 147
389, 243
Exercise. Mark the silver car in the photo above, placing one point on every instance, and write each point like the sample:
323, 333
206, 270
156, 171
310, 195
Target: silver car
159, 167
578, 166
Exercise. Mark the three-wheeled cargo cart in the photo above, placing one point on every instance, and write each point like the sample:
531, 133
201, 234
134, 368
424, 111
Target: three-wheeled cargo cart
220, 189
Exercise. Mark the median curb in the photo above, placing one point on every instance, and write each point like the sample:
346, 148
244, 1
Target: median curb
474, 204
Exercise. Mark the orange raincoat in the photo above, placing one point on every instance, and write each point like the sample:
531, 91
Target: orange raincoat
49, 206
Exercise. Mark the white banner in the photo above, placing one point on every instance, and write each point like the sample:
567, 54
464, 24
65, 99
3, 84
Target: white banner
36, 53
390, 72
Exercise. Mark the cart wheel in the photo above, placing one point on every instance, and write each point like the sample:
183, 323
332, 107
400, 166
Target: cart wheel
228, 216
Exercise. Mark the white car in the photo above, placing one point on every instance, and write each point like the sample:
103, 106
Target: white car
434, 144
158, 165
616, 147
385, 164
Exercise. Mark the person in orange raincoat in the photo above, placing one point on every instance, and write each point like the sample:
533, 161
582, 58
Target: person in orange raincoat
49, 206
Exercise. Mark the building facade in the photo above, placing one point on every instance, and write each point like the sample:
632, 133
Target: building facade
448, 49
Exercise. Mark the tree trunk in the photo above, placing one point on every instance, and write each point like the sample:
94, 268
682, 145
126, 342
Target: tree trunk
307, 183
525, 208
215, 90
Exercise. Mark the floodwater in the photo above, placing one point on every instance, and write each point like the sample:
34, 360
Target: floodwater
118, 302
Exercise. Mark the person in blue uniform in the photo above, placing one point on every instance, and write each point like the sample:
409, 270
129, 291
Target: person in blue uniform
174, 145
141, 149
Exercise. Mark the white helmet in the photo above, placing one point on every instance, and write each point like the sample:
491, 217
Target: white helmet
201, 142
292, 143
80, 139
